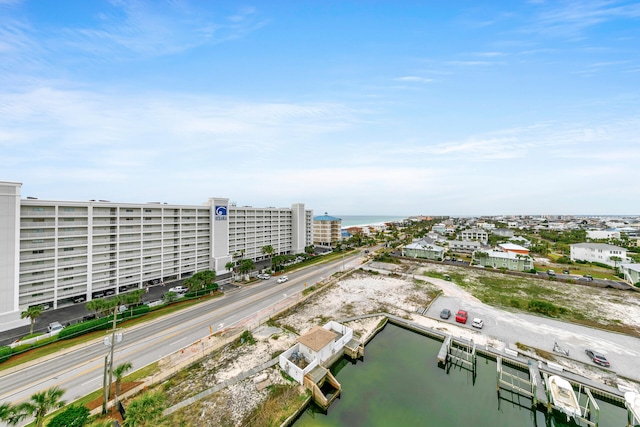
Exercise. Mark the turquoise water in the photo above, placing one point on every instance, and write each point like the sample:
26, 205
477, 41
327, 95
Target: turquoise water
400, 384
353, 220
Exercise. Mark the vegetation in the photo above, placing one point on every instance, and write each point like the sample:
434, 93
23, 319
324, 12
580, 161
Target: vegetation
201, 280
119, 372
32, 313
73, 416
40, 404
146, 410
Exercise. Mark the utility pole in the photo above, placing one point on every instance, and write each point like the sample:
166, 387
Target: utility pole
108, 364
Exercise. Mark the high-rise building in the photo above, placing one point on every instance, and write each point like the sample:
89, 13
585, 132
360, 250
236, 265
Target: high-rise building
55, 252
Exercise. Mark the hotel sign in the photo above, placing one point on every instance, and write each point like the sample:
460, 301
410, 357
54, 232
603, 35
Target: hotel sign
221, 213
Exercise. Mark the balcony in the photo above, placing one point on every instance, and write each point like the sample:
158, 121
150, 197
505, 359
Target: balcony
37, 224
27, 267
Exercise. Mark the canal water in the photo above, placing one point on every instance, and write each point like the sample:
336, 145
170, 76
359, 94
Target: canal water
400, 384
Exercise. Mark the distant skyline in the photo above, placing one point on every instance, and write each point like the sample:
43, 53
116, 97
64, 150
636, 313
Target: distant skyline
354, 107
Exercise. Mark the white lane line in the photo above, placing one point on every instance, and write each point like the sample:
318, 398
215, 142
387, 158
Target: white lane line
92, 380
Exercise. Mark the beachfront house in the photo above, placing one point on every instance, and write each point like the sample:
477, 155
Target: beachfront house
423, 249
499, 259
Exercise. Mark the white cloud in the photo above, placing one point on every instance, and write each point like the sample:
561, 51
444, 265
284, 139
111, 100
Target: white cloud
414, 79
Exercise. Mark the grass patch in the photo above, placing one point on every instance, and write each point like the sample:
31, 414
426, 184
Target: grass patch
282, 402
47, 347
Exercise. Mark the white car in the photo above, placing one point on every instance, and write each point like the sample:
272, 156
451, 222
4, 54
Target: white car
477, 323
54, 328
283, 279
179, 289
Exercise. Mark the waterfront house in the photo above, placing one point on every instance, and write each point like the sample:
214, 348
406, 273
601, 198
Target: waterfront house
475, 234
327, 230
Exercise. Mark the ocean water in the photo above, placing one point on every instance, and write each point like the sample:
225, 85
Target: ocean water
355, 220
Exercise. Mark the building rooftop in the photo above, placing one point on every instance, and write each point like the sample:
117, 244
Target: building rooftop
601, 246
326, 217
317, 338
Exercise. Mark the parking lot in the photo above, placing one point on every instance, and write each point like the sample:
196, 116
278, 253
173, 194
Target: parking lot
540, 332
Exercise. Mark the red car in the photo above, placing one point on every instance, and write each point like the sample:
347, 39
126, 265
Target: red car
461, 316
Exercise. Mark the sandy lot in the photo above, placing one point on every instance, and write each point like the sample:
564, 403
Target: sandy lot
402, 294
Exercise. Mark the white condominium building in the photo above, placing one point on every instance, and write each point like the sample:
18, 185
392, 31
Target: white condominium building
56, 251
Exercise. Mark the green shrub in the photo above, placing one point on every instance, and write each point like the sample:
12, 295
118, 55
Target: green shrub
545, 308
5, 353
135, 312
85, 327
210, 288
73, 416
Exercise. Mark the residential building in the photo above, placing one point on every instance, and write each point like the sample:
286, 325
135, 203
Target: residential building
474, 234
56, 251
464, 246
598, 252
512, 247
423, 249
631, 272
327, 230
603, 234
499, 259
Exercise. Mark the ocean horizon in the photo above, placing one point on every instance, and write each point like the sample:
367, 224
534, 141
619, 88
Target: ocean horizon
360, 220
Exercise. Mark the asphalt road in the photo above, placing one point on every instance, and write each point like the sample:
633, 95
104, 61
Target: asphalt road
80, 372
622, 351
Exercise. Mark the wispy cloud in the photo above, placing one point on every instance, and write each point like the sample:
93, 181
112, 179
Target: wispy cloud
414, 79
572, 18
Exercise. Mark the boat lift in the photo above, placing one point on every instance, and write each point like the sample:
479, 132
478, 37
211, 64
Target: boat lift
584, 415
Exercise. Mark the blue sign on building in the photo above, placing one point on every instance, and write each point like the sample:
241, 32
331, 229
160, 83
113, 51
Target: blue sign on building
221, 213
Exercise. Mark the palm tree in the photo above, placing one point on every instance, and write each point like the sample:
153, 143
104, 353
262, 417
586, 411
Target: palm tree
268, 250
96, 305
146, 410
42, 403
119, 372
246, 266
32, 313
615, 260
231, 266
10, 414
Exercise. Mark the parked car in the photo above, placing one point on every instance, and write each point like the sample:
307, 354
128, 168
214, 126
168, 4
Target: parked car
597, 358
445, 313
79, 298
551, 273
283, 279
461, 316
110, 292
179, 289
98, 295
54, 328
46, 306
477, 323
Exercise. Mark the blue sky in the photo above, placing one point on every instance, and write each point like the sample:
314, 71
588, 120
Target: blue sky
351, 107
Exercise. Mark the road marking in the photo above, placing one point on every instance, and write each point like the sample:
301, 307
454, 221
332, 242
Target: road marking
87, 382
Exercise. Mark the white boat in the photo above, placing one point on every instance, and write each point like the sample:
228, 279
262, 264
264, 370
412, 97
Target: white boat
563, 396
632, 400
